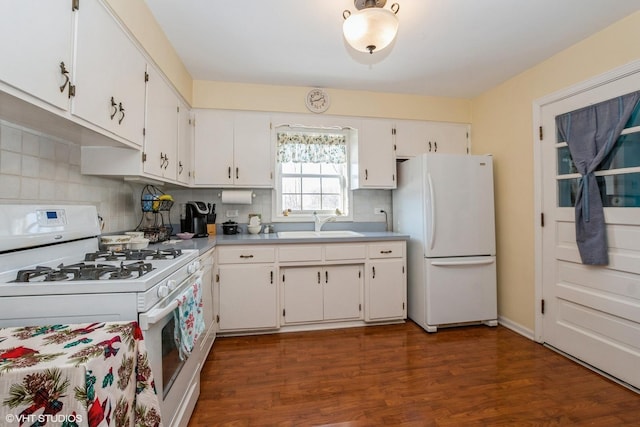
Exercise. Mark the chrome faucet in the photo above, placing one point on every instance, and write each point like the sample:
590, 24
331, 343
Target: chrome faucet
319, 222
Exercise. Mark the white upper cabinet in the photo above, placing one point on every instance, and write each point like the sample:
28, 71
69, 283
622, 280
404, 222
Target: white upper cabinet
185, 144
373, 159
413, 137
161, 129
233, 149
36, 48
109, 75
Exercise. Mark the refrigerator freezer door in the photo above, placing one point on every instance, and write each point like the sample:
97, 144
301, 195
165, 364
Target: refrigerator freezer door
459, 208
460, 290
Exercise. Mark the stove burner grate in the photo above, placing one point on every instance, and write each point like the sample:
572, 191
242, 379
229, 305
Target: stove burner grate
84, 271
133, 255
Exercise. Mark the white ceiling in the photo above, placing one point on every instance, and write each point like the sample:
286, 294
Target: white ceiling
455, 48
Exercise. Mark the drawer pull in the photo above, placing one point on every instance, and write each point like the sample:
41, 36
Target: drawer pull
374, 272
386, 252
246, 256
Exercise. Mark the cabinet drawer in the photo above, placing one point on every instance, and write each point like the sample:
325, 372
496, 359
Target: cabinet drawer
300, 253
386, 249
340, 251
246, 254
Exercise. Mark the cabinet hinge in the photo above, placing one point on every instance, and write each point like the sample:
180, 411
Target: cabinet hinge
542, 306
403, 306
403, 269
541, 133
283, 278
177, 108
395, 147
359, 274
217, 318
144, 131
75, 5
146, 76
217, 278
541, 219
144, 157
393, 131
283, 312
72, 90
359, 307
393, 177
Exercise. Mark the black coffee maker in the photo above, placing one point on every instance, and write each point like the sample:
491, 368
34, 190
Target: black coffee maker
195, 220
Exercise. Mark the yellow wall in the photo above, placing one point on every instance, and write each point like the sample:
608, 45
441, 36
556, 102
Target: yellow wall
502, 125
225, 95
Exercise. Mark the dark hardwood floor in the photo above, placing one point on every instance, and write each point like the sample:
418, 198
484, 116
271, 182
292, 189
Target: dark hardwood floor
400, 375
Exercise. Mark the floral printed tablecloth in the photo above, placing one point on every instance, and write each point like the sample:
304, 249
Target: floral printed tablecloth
92, 374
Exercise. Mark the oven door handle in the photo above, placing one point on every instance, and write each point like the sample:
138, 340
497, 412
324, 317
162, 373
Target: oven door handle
155, 315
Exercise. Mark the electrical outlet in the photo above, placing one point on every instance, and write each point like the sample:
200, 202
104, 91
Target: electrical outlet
232, 214
378, 211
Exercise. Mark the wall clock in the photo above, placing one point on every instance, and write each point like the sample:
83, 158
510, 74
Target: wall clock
317, 100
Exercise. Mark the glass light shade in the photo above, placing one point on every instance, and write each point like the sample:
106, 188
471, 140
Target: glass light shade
370, 29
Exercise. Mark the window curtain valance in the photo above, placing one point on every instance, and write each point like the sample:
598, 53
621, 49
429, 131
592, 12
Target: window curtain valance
307, 147
591, 134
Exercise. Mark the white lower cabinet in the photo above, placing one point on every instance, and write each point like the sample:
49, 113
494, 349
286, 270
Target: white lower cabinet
247, 288
386, 290
297, 286
316, 293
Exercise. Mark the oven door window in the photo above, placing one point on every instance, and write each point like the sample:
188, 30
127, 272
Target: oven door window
171, 363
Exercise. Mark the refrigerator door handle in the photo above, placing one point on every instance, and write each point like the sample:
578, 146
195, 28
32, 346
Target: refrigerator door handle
456, 263
432, 237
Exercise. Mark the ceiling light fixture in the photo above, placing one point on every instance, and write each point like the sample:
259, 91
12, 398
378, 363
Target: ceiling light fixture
372, 27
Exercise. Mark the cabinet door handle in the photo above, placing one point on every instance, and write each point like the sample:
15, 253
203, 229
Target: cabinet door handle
374, 271
326, 276
271, 280
435, 144
121, 109
65, 73
429, 146
246, 256
180, 168
115, 108
318, 277
366, 174
229, 172
386, 252
237, 169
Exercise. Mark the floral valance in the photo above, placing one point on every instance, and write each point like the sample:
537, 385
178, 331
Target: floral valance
311, 147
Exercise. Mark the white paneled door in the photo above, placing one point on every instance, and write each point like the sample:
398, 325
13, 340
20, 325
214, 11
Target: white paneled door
592, 312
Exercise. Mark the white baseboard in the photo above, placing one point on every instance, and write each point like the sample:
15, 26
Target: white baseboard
516, 327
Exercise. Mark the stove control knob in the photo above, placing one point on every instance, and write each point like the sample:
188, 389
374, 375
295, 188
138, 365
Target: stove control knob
163, 291
192, 268
171, 284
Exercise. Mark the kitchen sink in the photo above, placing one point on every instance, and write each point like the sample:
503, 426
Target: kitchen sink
316, 234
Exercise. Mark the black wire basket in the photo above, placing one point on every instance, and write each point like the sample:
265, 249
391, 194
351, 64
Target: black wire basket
154, 200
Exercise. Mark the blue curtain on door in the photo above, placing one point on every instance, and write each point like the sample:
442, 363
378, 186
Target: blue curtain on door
591, 133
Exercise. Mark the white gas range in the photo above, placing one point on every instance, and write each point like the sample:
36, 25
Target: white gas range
52, 271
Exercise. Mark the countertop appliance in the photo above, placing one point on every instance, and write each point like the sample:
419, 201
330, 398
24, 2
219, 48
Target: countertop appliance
445, 203
196, 219
52, 272
229, 227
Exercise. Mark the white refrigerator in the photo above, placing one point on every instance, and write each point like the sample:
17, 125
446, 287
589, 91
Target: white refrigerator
445, 203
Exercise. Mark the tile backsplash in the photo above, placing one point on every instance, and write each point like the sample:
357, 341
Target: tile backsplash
38, 168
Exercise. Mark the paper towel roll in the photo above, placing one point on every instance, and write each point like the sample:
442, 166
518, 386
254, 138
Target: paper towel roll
237, 197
